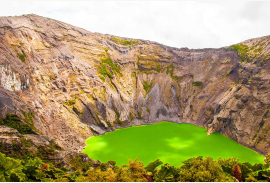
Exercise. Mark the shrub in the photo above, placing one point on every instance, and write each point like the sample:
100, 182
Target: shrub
147, 86
236, 172
103, 70
13, 121
241, 50
22, 56
70, 103
124, 42
103, 167
158, 68
197, 83
10, 169
139, 116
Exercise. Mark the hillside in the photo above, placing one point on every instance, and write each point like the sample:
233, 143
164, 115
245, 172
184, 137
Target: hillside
78, 84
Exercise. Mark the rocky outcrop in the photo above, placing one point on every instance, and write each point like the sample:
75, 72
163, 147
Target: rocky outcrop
16, 145
79, 84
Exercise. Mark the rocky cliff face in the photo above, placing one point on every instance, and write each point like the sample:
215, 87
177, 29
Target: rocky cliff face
79, 84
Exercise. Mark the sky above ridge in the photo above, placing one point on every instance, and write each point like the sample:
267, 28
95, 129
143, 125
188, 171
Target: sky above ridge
174, 23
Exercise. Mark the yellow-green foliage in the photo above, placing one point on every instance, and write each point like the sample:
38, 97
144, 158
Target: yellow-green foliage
124, 41
13, 121
117, 120
70, 103
147, 86
170, 70
196, 169
131, 117
241, 50
72, 78
104, 71
250, 53
21, 57
197, 83
158, 68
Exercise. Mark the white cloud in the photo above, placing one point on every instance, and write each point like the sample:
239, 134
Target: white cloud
173, 23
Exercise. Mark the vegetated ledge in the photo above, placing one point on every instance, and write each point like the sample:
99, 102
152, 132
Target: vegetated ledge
21, 142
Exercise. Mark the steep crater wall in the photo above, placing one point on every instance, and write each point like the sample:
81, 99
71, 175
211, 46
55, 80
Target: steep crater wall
79, 84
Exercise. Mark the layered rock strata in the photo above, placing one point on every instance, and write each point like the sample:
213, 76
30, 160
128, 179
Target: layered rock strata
79, 84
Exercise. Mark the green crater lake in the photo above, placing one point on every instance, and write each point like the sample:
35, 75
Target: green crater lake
171, 143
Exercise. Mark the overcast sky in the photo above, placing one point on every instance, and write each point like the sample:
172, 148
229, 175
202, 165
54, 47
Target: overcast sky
173, 23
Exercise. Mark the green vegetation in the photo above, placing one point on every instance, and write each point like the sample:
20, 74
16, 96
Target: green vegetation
115, 67
139, 115
25, 143
10, 169
197, 83
254, 52
28, 119
241, 50
108, 68
13, 121
70, 103
133, 74
147, 86
170, 70
195, 169
131, 117
22, 56
124, 41
117, 120
158, 68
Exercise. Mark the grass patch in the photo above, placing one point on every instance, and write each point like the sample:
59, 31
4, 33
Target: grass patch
197, 83
103, 70
70, 103
241, 50
21, 57
117, 120
13, 121
170, 70
124, 41
147, 86
139, 116
158, 68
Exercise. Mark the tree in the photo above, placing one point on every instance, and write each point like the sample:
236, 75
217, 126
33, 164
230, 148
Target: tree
31, 169
103, 167
227, 164
236, 172
136, 170
203, 170
10, 169
153, 165
167, 173
152, 169
267, 159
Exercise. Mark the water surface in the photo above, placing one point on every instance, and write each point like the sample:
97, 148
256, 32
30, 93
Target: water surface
171, 143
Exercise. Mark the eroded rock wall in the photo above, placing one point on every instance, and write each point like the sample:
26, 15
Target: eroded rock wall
80, 84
